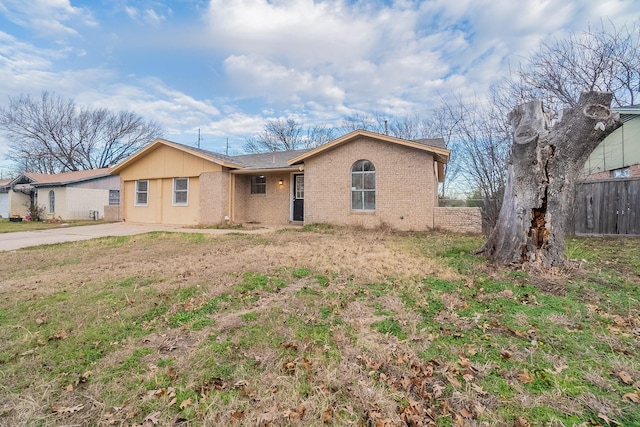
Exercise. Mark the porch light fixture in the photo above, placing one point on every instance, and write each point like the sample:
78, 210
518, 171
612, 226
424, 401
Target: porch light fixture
281, 183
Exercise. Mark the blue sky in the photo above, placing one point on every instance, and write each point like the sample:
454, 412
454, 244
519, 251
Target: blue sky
226, 66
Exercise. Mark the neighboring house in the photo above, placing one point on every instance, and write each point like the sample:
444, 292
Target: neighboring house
608, 197
363, 178
618, 156
68, 196
4, 198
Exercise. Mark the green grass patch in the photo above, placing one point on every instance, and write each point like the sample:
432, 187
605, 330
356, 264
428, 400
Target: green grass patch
245, 334
389, 326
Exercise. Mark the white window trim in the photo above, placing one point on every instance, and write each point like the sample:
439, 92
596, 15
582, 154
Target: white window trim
373, 190
135, 193
174, 192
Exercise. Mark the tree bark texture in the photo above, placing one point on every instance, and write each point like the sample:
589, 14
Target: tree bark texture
544, 164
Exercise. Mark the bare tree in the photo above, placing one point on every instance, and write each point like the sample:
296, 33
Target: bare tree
479, 143
318, 135
286, 135
355, 122
51, 134
603, 60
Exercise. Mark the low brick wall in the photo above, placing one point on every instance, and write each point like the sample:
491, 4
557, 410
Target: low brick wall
112, 213
460, 220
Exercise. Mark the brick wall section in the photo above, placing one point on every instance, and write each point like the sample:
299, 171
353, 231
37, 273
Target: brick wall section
113, 213
634, 170
460, 220
273, 207
214, 199
405, 186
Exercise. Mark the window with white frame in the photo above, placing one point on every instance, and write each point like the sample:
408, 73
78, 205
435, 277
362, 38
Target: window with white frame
52, 201
180, 191
258, 184
142, 193
363, 186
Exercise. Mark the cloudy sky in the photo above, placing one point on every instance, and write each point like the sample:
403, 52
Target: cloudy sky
226, 66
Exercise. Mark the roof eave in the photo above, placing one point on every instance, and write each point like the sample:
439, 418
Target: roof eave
440, 154
256, 171
152, 146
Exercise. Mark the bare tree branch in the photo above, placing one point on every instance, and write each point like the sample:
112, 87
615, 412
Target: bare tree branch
52, 134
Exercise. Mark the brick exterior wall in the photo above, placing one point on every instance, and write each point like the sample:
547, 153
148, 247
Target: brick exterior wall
405, 186
460, 220
214, 197
113, 213
273, 207
634, 170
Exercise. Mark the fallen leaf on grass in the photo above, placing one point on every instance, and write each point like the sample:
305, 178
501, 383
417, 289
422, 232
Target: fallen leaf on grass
625, 377
185, 403
453, 380
60, 335
237, 415
67, 409
240, 384
633, 397
466, 413
557, 369
505, 354
292, 414
327, 416
478, 389
525, 377
151, 418
607, 419
522, 422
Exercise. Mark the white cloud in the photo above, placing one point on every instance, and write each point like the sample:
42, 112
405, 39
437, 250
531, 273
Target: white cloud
318, 60
152, 17
48, 17
257, 77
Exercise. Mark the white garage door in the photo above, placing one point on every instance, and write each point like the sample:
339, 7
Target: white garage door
4, 205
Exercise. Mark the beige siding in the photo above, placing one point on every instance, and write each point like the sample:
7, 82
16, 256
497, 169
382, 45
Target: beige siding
167, 162
273, 207
160, 208
405, 186
159, 167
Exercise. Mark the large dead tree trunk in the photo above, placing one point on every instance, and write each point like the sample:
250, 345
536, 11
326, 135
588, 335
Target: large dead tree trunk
544, 164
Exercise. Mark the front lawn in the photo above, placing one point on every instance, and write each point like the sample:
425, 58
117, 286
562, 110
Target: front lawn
316, 326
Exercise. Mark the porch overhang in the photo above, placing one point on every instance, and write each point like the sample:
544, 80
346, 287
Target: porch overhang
296, 168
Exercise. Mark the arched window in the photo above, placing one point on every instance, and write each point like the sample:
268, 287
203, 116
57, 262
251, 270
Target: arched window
52, 201
363, 186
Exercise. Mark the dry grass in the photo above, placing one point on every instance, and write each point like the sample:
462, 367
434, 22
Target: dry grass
326, 326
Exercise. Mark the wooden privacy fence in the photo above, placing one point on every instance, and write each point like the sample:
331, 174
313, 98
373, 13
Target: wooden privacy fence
607, 207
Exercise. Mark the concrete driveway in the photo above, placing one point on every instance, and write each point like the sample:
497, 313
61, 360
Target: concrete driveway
23, 239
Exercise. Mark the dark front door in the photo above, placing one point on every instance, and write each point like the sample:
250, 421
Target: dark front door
298, 197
